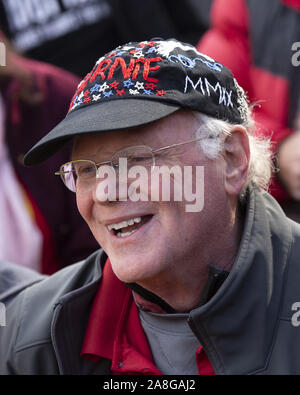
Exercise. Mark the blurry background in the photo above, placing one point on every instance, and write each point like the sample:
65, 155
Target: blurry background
73, 33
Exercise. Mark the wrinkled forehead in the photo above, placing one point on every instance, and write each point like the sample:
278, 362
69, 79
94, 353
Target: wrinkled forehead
172, 129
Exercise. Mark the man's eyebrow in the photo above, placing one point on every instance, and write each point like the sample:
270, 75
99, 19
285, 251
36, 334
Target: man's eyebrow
98, 157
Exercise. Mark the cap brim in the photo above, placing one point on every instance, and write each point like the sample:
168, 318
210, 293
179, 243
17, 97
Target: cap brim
108, 116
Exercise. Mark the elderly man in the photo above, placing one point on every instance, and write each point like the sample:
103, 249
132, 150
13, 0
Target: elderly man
177, 288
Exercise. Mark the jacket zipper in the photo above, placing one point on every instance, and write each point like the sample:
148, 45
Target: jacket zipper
196, 333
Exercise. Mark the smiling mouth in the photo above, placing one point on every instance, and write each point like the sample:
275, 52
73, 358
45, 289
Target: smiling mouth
126, 228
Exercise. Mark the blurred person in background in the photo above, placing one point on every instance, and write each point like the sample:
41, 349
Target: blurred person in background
71, 33
33, 98
258, 41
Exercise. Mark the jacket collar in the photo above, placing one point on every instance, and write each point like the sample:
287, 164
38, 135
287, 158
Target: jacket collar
70, 318
237, 325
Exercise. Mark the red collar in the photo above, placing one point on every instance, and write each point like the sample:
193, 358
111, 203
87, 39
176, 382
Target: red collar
293, 4
114, 330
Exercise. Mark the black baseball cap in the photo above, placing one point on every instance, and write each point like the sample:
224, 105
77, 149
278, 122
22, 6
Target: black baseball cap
138, 83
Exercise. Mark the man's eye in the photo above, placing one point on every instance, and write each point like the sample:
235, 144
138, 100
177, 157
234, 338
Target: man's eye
86, 171
138, 159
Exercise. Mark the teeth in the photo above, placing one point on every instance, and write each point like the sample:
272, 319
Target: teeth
124, 234
124, 224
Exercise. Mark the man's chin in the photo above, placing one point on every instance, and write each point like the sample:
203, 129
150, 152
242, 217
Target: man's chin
134, 274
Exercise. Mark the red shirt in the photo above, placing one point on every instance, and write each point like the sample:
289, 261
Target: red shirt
114, 331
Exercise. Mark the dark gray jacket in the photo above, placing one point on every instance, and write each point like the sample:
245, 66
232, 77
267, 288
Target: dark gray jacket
245, 328
14, 278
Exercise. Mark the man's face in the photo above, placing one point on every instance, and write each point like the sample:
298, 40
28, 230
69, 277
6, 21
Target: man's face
168, 241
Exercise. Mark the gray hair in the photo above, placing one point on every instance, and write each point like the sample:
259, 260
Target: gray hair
214, 130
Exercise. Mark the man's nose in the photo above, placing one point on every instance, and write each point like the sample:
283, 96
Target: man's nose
109, 187
112, 186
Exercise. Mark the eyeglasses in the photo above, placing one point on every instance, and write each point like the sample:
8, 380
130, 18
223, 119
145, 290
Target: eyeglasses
83, 172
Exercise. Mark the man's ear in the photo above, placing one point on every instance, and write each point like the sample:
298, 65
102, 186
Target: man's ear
236, 156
